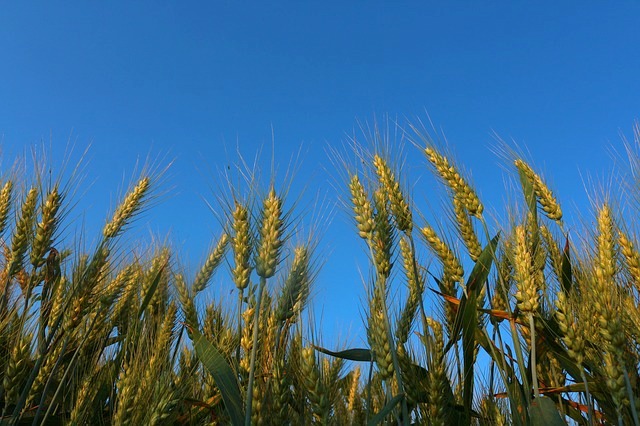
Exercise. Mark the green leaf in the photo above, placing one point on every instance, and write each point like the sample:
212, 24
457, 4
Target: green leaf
529, 194
467, 319
356, 354
476, 279
543, 412
151, 291
223, 375
386, 410
567, 274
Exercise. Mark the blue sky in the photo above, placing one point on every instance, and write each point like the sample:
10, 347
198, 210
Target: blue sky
190, 82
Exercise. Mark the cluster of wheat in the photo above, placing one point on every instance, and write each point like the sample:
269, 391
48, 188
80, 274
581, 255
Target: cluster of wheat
101, 337
559, 324
530, 326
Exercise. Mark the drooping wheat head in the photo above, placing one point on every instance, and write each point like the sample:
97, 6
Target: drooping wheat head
458, 185
127, 208
545, 197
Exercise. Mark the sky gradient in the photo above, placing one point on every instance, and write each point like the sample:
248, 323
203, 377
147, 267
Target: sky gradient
193, 83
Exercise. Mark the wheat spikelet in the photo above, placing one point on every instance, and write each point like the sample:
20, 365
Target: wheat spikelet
491, 413
87, 391
411, 382
23, 232
281, 392
44, 374
605, 263
241, 245
612, 333
438, 374
58, 298
126, 383
553, 251
415, 282
271, 236
186, 300
527, 294
452, 268
567, 326
210, 265
128, 293
545, 197
165, 408
382, 242
74, 315
113, 290
163, 341
246, 339
466, 230
353, 390
127, 209
16, 369
296, 287
46, 227
314, 386
397, 201
379, 342
5, 204
362, 209
631, 257
257, 417
456, 182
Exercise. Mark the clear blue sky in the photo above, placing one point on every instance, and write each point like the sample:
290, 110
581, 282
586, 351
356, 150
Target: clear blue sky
193, 79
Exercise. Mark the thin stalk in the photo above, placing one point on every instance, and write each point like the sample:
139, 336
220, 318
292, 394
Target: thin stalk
632, 404
534, 372
239, 330
367, 409
46, 386
493, 365
254, 350
521, 364
511, 397
589, 399
64, 376
392, 345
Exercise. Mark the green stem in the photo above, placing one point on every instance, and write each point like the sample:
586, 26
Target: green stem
534, 372
240, 296
588, 395
387, 325
254, 350
632, 403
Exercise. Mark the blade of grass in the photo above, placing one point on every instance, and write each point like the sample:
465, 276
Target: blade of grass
386, 410
355, 354
543, 412
151, 291
223, 375
467, 319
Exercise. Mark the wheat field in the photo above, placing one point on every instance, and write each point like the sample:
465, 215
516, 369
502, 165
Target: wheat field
532, 324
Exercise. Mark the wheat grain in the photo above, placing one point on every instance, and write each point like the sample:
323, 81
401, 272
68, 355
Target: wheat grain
452, 268
397, 201
127, 209
23, 231
5, 204
545, 197
456, 182
210, 265
362, 208
45, 228
271, 236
